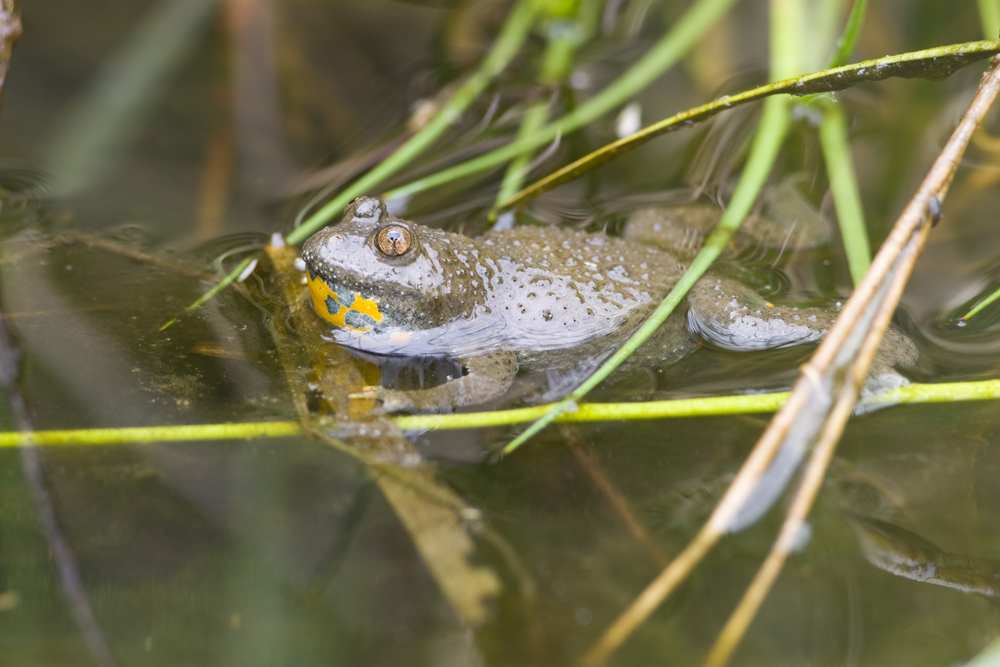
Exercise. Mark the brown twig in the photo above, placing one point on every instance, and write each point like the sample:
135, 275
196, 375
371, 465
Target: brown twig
815, 471
935, 185
820, 380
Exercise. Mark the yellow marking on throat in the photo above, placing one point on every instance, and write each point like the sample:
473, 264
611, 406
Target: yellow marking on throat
320, 292
366, 307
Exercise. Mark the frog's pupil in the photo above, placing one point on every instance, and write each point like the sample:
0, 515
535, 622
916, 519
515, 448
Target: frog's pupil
394, 240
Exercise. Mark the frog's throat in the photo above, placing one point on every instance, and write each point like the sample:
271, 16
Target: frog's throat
342, 308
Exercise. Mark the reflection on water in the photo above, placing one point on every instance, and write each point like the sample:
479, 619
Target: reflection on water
291, 551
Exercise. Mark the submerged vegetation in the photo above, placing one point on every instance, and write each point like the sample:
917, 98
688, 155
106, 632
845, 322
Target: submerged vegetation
584, 547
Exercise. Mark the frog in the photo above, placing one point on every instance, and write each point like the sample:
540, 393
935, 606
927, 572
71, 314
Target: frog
532, 298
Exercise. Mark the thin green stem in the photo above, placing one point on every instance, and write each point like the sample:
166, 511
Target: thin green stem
110, 436
685, 34
845, 45
508, 43
225, 282
534, 118
844, 187
564, 38
788, 29
767, 142
931, 63
989, 16
982, 304
589, 412
786, 19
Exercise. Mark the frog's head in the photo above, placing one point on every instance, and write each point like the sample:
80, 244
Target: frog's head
378, 273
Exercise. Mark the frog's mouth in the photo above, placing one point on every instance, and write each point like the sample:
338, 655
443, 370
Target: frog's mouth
341, 307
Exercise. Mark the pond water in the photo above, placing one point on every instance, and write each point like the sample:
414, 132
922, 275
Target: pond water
148, 146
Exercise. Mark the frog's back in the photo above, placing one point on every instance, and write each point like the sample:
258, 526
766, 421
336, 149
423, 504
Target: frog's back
558, 289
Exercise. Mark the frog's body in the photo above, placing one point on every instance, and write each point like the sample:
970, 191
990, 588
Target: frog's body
525, 298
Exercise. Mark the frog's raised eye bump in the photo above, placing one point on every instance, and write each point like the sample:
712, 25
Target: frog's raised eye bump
369, 209
394, 240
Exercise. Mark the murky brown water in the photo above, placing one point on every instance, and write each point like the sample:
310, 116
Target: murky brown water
287, 551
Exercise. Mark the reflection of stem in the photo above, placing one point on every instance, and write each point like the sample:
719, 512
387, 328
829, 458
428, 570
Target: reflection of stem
436, 519
348, 530
31, 461
62, 553
616, 499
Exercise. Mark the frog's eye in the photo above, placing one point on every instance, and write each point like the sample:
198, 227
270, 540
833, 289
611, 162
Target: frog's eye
394, 240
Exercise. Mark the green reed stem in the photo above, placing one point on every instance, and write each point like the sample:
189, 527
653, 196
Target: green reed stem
989, 16
844, 187
982, 304
770, 135
932, 64
508, 43
111, 436
845, 45
564, 38
589, 412
685, 34
513, 179
774, 124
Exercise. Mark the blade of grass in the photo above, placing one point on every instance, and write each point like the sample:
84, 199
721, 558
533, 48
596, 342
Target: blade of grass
513, 178
933, 64
845, 45
835, 144
684, 35
982, 304
844, 187
565, 35
770, 135
989, 16
555, 67
100, 122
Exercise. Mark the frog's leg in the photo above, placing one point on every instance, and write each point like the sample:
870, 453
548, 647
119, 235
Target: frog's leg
487, 377
895, 351
733, 316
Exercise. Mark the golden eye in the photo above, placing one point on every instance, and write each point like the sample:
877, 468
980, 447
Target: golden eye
394, 240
